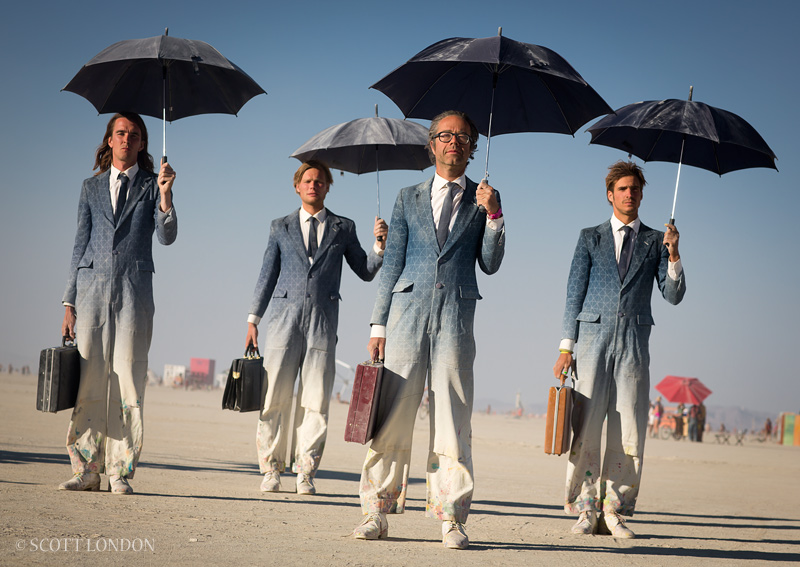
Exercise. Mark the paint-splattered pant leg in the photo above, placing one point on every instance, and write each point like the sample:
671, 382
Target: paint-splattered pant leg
316, 370
616, 387
106, 430
384, 479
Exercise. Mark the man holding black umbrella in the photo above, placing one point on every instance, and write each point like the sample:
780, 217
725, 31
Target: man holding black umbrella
298, 289
422, 324
109, 302
607, 322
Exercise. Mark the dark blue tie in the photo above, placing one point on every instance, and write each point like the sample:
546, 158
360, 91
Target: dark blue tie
447, 212
122, 196
312, 237
625, 253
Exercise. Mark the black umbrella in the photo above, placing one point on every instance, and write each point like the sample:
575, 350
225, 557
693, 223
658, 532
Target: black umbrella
533, 88
164, 77
684, 131
370, 144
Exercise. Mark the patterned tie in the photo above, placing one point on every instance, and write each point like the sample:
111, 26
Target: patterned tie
625, 253
122, 196
312, 237
447, 211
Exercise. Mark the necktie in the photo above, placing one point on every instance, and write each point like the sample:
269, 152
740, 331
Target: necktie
312, 237
447, 211
122, 196
625, 253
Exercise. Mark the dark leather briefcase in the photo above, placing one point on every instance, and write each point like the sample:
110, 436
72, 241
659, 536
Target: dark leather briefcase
59, 377
360, 426
558, 427
246, 386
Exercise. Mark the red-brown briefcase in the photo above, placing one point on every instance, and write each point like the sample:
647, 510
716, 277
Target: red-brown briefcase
558, 428
360, 426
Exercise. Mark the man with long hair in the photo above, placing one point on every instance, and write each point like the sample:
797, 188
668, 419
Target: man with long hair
605, 340
109, 302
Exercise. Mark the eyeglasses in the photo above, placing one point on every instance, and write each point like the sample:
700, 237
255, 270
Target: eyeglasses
461, 137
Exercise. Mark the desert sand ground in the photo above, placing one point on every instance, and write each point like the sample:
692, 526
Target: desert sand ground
197, 500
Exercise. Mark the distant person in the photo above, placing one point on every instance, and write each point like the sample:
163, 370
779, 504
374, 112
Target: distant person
679, 420
768, 428
701, 421
109, 302
423, 321
658, 414
298, 289
693, 424
607, 323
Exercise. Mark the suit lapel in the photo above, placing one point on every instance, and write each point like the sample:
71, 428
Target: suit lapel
136, 191
425, 212
295, 234
99, 187
645, 240
466, 212
332, 223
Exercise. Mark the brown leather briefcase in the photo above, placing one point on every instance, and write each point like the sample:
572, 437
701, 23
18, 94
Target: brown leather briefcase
360, 426
558, 428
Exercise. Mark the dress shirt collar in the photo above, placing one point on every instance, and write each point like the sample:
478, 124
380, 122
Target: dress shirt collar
130, 172
320, 216
617, 224
440, 182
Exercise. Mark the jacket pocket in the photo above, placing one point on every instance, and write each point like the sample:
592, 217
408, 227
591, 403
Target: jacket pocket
469, 292
145, 266
403, 286
279, 293
645, 320
588, 317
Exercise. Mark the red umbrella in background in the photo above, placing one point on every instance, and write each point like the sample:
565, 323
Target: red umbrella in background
678, 389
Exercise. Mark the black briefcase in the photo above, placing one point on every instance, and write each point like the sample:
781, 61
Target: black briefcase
246, 386
59, 377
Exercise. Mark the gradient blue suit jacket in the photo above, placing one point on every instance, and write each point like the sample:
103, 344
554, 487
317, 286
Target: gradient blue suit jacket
596, 297
113, 263
422, 285
299, 297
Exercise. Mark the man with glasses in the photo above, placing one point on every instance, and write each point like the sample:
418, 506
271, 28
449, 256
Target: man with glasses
422, 326
607, 322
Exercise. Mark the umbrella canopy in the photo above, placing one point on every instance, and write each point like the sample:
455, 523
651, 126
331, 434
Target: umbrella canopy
684, 131
164, 77
370, 144
678, 389
533, 88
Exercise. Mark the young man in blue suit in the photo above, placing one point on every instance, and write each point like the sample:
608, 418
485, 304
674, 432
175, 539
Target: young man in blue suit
422, 324
605, 339
298, 288
109, 302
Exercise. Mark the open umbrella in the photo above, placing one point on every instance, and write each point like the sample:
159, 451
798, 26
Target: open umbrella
164, 77
370, 144
678, 389
684, 131
503, 85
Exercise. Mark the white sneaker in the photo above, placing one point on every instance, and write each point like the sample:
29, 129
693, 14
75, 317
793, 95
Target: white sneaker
82, 481
374, 526
586, 524
305, 484
454, 536
616, 526
271, 482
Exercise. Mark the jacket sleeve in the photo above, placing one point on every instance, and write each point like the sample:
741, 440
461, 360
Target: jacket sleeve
577, 286
671, 290
270, 270
364, 265
394, 260
82, 236
166, 223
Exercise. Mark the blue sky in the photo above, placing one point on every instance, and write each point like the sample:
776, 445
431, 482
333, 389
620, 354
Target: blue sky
316, 61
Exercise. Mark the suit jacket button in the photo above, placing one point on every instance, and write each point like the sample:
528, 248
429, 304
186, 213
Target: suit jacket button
115, 252
439, 285
621, 314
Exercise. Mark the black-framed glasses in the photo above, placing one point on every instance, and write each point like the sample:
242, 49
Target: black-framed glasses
461, 137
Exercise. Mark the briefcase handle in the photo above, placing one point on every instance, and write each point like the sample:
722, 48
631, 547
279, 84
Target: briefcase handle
375, 355
251, 352
65, 339
563, 378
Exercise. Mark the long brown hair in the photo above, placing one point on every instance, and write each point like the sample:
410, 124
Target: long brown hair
103, 157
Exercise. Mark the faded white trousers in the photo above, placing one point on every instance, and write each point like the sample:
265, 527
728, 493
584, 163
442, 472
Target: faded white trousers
448, 360
106, 430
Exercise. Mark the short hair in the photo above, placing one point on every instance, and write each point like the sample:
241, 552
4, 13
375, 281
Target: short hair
104, 156
432, 131
312, 164
622, 169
